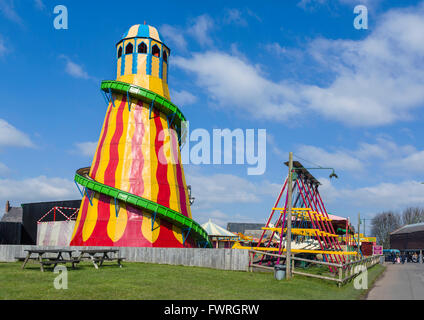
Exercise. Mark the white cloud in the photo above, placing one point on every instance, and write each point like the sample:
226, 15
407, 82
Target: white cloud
383, 196
401, 162
384, 148
412, 163
4, 170
372, 82
217, 216
339, 160
234, 16
74, 69
384, 154
227, 188
253, 14
276, 48
39, 4
87, 149
221, 188
378, 80
10, 136
275, 148
222, 218
307, 3
7, 8
182, 98
316, 3
37, 189
174, 36
3, 49
233, 83
200, 29
356, 2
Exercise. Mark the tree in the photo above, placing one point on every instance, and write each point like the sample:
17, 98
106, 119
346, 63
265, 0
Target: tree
383, 224
412, 215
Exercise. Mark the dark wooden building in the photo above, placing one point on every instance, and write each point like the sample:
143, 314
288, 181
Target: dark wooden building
408, 237
19, 224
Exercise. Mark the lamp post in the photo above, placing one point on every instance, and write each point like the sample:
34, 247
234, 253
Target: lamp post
289, 216
359, 234
364, 219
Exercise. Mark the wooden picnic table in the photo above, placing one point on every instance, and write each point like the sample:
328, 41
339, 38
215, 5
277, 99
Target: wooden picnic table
40, 257
98, 256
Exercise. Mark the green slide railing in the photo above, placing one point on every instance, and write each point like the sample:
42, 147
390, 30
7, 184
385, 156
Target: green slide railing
157, 101
176, 218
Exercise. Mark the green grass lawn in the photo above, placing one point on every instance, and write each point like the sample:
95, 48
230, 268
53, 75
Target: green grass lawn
154, 281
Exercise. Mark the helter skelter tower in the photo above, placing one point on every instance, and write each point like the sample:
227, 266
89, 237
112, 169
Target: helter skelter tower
134, 193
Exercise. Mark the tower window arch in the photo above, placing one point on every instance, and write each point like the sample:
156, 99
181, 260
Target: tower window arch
129, 48
156, 51
142, 48
119, 52
165, 56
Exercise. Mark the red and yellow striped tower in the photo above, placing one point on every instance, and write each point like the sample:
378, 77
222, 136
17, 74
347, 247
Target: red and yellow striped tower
134, 193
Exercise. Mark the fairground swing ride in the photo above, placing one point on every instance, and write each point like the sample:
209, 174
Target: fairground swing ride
313, 235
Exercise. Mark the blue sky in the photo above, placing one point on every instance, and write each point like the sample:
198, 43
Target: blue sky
334, 95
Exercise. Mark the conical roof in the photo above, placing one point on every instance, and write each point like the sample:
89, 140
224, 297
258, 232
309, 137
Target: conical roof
214, 230
142, 31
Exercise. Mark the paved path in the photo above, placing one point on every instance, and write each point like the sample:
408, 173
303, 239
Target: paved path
400, 282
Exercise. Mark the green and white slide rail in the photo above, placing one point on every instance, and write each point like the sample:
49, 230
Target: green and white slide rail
173, 114
176, 218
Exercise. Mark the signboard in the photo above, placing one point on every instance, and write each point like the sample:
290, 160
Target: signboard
363, 239
377, 250
369, 239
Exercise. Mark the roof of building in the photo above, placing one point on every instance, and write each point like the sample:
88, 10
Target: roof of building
214, 230
410, 228
241, 227
142, 31
336, 218
13, 215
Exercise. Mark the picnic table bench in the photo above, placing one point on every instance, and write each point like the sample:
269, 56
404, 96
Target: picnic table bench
40, 257
98, 256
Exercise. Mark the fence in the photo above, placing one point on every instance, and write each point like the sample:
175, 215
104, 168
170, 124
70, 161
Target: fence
223, 259
341, 274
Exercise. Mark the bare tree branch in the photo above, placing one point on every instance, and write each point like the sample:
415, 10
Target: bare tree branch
412, 215
384, 223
